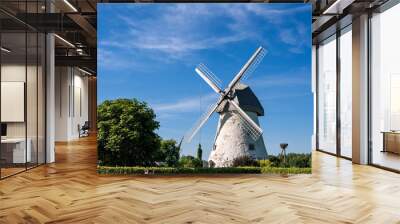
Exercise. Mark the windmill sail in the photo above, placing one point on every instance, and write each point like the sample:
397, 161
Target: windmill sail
209, 74
260, 52
253, 133
254, 130
209, 77
202, 121
255, 64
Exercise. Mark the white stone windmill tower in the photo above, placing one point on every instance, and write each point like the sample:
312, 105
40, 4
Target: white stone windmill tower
238, 133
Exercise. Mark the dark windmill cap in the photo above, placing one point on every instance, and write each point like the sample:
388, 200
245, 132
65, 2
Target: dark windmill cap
245, 98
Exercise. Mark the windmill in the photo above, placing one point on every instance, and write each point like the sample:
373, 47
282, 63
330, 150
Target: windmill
238, 132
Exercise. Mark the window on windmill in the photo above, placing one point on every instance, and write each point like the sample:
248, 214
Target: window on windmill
251, 147
214, 147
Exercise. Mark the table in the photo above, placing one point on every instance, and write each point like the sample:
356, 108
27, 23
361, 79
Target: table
13, 150
391, 141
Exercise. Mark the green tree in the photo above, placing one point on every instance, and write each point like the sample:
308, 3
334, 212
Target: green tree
190, 161
292, 160
169, 152
126, 133
199, 152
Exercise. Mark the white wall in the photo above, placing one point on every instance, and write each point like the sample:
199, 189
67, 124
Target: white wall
17, 73
327, 95
71, 94
346, 93
314, 91
62, 82
33, 126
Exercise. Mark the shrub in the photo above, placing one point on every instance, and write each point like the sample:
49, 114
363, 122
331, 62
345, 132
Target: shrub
274, 160
168, 153
190, 162
265, 163
292, 160
200, 170
175, 170
126, 133
298, 160
244, 161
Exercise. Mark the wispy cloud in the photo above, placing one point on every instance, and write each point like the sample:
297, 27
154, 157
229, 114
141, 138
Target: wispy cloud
190, 104
276, 15
177, 37
284, 96
279, 80
288, 36
181, 30
295, 77
108, 59
296, 37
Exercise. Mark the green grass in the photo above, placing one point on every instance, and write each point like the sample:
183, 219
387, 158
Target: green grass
183, 170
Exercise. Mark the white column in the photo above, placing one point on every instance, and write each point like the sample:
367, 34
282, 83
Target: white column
50, 99
314, 91
50, 92
360, 90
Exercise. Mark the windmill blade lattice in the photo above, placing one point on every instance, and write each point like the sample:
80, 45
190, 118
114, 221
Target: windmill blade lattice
204, 117
209, 74
253, 132
255, 64
245, 68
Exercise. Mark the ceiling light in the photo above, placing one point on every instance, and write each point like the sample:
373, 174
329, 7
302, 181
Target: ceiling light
337, 7
64, 40
80, 51
84, 71
70, 5
5, 50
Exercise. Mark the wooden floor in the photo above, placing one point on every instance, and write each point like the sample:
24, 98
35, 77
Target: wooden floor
387, 159
5, 172
70, 191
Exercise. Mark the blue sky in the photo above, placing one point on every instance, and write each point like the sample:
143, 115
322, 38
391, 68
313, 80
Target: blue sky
150, 51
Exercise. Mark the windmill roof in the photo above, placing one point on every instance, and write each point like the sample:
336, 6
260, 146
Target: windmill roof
245, 98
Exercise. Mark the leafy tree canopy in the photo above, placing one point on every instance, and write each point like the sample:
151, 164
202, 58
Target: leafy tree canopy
126, 133
190, 162
199, 152
169, 152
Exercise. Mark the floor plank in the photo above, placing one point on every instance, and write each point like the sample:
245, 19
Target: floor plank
70, 191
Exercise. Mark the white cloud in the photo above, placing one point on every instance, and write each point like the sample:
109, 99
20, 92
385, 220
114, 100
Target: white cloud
295, 77
112, 60
180, 30
173, 30
177, 32
276, 15
109, 59
190, 104
288, 36
280, 80
295, 34
284, 96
